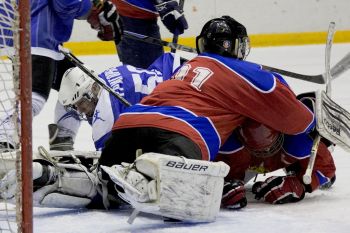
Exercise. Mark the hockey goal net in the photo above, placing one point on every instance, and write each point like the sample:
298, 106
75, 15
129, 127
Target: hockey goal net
15, 115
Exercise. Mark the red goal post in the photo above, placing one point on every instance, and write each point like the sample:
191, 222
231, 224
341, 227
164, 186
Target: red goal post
16, 107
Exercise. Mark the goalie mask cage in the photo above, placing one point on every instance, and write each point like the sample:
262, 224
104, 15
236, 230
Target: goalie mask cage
16, 114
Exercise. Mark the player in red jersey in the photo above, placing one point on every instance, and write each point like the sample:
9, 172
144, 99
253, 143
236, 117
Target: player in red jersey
207, 101
208, 98
257, 149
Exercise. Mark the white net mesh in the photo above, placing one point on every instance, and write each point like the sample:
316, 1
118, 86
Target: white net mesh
9, 92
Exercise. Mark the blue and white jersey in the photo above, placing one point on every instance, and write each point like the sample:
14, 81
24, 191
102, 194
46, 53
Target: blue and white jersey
52, 24
6, 28
131, 83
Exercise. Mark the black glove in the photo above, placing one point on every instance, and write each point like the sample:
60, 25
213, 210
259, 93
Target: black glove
233, 196
172, 16
279, 189
111, 23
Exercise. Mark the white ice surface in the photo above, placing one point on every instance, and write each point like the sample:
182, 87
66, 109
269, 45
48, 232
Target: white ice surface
321, 211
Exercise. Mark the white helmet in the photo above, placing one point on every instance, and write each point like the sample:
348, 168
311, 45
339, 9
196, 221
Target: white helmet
74, 86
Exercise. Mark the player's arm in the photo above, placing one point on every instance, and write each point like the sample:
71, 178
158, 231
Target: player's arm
59, 185
290, 188
233, 154
278, 108
234, 192
323, 174
171, 15
72, 9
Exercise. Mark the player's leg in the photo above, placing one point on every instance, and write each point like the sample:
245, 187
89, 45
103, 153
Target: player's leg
122, 145
66, 122
62, 133
172, 143
138, 53
59, 185
43, 70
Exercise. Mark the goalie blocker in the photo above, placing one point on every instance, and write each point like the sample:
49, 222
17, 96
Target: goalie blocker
333, 121
170, 186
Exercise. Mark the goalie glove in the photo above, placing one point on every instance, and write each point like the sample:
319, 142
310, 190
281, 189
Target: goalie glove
279, 190
233, 196
172, 16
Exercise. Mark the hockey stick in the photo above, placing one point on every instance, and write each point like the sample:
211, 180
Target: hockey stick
338, 69
335, 71
307, 178
176, 35
156, 41
91, 74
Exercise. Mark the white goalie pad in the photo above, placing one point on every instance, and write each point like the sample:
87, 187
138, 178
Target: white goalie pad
179, 188
333, 121
68, 185
8, 159
74, 187
8, 162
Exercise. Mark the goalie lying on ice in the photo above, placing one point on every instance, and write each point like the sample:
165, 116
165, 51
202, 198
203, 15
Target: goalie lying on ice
64, 184
170, 186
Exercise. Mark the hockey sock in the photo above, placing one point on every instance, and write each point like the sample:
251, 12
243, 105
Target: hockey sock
38, 102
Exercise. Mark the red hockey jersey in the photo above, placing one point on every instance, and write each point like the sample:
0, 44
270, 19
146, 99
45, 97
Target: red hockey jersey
211, 95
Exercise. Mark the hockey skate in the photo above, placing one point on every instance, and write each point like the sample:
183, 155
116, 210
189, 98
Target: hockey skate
59, 143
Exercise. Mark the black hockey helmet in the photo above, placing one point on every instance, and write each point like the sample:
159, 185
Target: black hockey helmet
224, 36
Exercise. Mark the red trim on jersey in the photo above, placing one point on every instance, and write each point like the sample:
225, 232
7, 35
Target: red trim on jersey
132, 11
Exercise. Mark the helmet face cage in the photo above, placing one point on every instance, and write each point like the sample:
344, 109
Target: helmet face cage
224, 36
242, 48
72, 107
76, 93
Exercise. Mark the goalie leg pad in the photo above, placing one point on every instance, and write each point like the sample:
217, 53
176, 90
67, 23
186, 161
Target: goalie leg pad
60, 200
179, 188
8, 184
76, 180
74, 187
